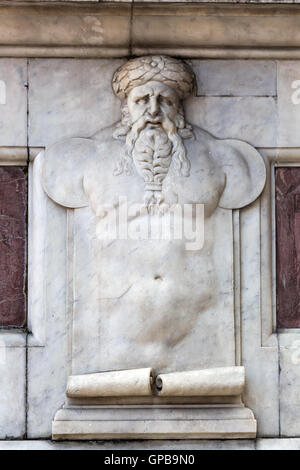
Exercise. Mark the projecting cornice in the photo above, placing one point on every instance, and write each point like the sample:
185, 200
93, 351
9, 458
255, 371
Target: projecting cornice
117, 29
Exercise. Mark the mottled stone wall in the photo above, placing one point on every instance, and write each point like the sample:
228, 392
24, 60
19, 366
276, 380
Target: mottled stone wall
288, 247
13, 203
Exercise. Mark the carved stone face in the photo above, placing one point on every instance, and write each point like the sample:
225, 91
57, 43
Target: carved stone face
154, 100
154, 125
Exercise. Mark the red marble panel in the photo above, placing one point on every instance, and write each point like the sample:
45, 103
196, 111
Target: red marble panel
288, 246
12, 246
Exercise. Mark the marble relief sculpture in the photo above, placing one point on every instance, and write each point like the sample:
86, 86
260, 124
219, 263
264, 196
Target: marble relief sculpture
152, 317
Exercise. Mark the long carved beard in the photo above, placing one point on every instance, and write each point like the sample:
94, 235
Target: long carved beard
152, 149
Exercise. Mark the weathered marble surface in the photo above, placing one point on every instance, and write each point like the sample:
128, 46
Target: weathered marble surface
13, 390
47, 357
209, 113
288, 103
13, 102
179, 422
82, 29
289, 383
70, 98
278, 444
261, 362
37, 223
235, 77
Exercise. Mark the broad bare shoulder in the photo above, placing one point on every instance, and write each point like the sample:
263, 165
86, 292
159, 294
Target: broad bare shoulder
68, 161
241, 164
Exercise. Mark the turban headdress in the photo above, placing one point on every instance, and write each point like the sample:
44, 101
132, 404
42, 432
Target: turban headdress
173, 72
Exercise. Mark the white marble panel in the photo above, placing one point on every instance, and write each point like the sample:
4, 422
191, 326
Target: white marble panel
46, 386
235, 77
47, 374
261, 363
12, 391
252, 119
13, 102
70, 98
37, 222
278, 444
289, 384
288, 103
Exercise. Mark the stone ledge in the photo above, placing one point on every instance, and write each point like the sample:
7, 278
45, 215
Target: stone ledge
119, 29
152, 422
258, 444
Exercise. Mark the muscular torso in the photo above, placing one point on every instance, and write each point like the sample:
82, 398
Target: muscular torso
152, 293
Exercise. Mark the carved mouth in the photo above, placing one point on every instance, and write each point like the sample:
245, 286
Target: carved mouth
154, 122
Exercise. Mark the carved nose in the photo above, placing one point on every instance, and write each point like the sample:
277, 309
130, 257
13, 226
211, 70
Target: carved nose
154, 108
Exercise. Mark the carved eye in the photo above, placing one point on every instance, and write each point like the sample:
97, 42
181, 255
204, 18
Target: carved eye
143, 100
165, 100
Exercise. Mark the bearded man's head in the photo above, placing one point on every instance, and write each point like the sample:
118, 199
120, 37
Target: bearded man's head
151, 89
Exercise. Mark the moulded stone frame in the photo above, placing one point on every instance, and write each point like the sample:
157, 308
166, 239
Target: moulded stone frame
280, 157
261, 356
285, 157
17, 337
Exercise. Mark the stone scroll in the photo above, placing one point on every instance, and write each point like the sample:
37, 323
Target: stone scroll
109, 384
219, 382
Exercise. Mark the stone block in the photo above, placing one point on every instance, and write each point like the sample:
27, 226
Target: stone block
246, 118
154, 423
288, 103
47, 364
70, 98
12, 386
13, 102
261, 363
278, 444
289, 384
235, 77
